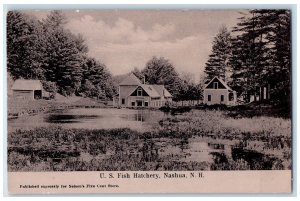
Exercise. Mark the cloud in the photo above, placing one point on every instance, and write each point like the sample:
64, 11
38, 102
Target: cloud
122, 31
186, 54
122, 45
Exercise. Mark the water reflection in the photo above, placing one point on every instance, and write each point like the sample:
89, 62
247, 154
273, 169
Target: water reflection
91, 118
68, 118
138, 115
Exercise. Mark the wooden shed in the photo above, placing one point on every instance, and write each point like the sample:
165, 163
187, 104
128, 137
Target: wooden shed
27, 89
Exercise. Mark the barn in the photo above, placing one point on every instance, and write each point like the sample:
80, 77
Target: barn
134, 93
27, 89
216, 91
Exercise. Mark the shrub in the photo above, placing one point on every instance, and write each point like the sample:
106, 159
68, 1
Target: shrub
50, 87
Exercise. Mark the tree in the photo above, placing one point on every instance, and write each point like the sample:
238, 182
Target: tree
46, 50
50, 87
64, 61
189, 90
65, 54
189, 78
218, 62
279, 43
25, 46
261, 54
138, 73
56, 19
249, 55
97, 81
161, 71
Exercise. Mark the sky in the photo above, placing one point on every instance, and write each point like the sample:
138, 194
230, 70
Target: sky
124, 39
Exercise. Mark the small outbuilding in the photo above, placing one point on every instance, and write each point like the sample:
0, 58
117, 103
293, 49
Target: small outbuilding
216, 91
27, 89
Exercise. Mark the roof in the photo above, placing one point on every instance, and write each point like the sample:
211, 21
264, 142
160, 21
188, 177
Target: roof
162, 91
154, 91
220, 80
131, 80
27, 85
150, 90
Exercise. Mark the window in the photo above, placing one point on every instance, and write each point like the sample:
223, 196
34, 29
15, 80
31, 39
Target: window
139, 103
123, 101
215, 85
230, 96
133, 104
222, 98
146, 104
209, 98
139, 92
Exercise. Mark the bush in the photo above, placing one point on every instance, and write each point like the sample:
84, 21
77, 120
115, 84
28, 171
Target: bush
50, 87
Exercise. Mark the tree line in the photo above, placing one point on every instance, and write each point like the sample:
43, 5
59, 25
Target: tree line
256, 54
46, 50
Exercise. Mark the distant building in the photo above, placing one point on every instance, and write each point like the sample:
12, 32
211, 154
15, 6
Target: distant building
216, 91
133, 93
259, 94
27, 89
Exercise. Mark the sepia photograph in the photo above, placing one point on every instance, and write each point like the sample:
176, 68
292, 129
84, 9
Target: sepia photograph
166, 91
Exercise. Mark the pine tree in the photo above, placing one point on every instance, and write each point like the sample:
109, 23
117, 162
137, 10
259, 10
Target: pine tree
98, 78
65, 54
47, 51
279, 42
217, 64
261, 53
25, 46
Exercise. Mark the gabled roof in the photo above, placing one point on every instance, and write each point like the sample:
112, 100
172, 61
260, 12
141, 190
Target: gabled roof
162, 91
150, 90
27, 85
154, 91
131, 80
220, 80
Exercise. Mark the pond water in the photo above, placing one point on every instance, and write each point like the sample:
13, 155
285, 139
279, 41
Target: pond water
91, 118
154, 151
195, 149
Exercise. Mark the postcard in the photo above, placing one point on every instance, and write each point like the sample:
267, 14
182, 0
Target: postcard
149, 101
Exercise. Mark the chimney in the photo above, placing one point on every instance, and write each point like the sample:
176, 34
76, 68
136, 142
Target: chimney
144, 79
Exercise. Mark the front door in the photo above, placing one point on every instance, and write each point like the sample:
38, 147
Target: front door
139, 103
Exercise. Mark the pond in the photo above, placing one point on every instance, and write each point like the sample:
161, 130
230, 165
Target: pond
91, 118
195, 149
61, 150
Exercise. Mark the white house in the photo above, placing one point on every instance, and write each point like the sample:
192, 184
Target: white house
216, 91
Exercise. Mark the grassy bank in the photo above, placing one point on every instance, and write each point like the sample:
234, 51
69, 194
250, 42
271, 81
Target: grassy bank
253, 143
249, 110
20, 107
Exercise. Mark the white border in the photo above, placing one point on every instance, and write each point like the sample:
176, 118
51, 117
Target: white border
111, 2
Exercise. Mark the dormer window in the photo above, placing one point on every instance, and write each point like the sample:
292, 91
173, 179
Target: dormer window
139, 92
215, 85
